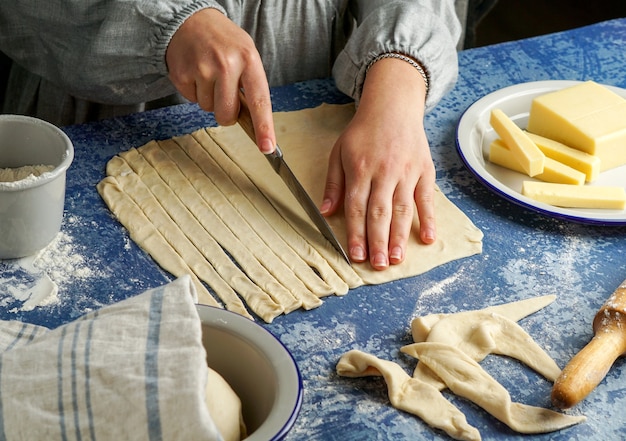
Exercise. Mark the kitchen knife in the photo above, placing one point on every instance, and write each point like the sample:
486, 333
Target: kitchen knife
279, 165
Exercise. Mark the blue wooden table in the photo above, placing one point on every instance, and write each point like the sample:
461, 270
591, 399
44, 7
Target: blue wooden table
525, 254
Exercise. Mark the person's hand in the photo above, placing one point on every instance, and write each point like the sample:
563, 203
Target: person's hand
209, 59
382, 168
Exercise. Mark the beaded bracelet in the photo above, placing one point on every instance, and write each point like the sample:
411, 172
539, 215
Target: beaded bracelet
403, 58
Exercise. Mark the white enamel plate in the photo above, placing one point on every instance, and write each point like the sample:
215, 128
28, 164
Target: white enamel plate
475, 134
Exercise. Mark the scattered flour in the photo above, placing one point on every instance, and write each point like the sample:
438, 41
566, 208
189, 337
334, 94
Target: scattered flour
34, 280
43, 292
439, 287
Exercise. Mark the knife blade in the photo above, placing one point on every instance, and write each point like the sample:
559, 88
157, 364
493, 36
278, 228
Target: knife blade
279, 165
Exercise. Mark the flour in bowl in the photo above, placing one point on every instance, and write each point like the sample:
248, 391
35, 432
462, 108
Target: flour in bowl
14, 174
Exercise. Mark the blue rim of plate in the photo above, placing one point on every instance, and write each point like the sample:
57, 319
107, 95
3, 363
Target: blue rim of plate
469, 124
259, 332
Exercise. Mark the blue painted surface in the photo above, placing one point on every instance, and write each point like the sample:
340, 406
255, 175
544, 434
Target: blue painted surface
525, 254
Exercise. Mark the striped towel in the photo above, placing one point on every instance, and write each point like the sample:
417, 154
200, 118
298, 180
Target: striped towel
135, 370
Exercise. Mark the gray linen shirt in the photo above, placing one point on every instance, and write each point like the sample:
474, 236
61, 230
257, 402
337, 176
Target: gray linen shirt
78, 60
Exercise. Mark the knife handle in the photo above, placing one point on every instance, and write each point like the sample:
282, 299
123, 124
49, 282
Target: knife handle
245, 121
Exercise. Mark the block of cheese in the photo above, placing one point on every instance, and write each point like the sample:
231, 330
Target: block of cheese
530, 158
553, 171
574, 158
575, 196
588, 117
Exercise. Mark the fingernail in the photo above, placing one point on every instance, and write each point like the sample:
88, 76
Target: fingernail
380, 261
396, 253
326, 204
358, 253
429, 236
267, 146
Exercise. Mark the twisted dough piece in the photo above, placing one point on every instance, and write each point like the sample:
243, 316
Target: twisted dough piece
410, 394
464, 377
478, 333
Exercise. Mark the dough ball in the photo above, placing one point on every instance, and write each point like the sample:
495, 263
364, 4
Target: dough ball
224, 407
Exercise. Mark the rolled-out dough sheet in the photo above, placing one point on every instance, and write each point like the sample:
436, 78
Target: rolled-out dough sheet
219, 177
306, 138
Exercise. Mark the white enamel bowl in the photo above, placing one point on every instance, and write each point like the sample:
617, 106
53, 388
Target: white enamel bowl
258, 367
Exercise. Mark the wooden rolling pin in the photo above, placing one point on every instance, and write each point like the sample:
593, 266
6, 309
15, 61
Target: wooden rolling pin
589, 367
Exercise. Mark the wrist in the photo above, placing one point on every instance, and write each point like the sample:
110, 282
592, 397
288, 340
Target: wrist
397, 56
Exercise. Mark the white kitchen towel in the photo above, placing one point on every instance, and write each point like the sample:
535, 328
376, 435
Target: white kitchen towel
135, 370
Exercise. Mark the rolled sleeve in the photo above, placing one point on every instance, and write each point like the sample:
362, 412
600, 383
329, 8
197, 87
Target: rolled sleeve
107, 52
425, 30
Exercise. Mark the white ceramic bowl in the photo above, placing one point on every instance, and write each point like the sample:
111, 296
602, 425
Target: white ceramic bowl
259, 369
31, 210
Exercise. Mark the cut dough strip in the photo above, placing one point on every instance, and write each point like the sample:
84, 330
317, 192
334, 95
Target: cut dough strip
184, 181
277, 232
259, 301
262, 184
212, 209
145, 234
466, 378
179, 182
410, 394
157, 215
241, 216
